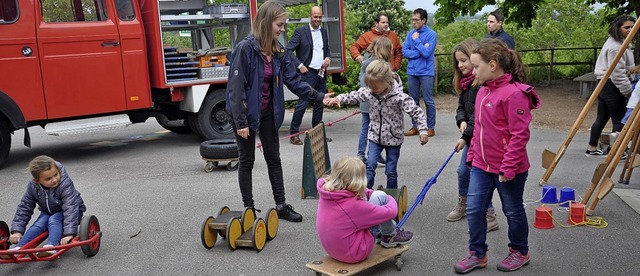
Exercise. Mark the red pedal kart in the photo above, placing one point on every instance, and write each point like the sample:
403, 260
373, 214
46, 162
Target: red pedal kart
88, 239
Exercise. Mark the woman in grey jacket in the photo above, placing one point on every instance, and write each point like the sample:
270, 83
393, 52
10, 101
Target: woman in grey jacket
612, 100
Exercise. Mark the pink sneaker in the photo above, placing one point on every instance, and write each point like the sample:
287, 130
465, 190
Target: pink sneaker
470, 263
514, 261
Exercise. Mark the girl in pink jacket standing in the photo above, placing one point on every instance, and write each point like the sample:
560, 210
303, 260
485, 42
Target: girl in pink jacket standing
498, 153
350, 216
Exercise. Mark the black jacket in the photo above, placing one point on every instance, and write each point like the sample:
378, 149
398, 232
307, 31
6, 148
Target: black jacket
302, 43
466, 110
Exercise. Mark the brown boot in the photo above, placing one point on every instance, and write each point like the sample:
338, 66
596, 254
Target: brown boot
459, 211
492, 222
411, 132
431, 132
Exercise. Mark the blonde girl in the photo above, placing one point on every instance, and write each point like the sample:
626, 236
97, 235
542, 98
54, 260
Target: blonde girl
350, 217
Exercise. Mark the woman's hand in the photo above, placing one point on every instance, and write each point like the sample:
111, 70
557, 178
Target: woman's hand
15, 238
460, 145
66, 239
243, 132
503, 179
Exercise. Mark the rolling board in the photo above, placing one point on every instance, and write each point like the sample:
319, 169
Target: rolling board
329, 266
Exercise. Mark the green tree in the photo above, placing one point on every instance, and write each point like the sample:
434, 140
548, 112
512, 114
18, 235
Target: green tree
522, 12
618, 7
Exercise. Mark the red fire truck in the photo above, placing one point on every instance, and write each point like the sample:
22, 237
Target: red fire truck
73, 66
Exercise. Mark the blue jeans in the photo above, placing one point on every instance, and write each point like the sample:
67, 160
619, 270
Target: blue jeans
464, 173
45, 222
362, 141
479, 196
387, 228
426, 84
393, 154
319, 84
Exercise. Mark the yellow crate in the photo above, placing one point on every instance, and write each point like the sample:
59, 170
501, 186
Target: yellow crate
204, 61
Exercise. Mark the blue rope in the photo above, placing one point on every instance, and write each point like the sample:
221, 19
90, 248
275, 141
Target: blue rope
423, 193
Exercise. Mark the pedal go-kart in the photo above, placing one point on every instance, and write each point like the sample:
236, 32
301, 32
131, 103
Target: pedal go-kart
88, 239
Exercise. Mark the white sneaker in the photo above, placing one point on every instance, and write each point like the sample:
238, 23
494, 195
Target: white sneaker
15, 248
46, 253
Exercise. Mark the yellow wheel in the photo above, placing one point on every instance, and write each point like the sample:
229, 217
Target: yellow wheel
271, 220
207, 235
259, 237
234, 231
222, 211
248, 217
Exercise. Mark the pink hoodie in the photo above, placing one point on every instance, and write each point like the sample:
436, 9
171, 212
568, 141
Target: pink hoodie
501, 130
343, 222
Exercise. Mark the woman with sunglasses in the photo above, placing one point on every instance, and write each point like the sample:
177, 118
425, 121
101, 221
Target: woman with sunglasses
613, 97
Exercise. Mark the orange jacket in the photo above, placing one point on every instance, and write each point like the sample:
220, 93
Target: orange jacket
365, 39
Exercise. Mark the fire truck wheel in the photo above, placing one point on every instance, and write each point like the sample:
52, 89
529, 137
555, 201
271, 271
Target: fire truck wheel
212, 121
219, 149
5, 140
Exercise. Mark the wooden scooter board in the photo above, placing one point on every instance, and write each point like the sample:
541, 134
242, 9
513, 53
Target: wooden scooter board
329, 266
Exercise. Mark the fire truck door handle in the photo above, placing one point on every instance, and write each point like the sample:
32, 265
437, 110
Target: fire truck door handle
110, 43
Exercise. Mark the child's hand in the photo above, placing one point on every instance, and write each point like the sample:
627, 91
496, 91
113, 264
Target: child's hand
463, 126
424, 139
331, 102
460, 145
66, 239
15, 238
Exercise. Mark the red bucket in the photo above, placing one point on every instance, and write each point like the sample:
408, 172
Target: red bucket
543, 218
577, 214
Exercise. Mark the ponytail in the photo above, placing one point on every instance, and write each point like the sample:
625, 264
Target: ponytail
517, 69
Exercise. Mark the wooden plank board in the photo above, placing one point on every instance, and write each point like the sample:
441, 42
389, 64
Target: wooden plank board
329, 266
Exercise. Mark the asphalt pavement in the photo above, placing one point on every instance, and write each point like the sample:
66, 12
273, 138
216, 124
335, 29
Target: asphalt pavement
142, 179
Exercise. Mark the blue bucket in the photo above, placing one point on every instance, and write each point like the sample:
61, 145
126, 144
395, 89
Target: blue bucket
567, 194
549, 195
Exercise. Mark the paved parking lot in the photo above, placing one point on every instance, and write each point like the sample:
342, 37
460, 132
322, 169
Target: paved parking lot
144, 179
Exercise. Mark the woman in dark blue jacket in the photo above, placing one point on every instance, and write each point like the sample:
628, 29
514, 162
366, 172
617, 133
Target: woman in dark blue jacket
260, 66
60, 205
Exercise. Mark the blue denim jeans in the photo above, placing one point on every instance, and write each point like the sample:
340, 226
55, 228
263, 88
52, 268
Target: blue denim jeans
362, 141
481, 187
386, 228
464, 173
45, 222
393, 154
416, 83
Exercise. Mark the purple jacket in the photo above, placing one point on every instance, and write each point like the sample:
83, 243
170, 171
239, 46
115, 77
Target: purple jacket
343, 222
501, 130
63, 198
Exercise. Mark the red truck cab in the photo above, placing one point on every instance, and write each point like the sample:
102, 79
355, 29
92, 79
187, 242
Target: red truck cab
73, 66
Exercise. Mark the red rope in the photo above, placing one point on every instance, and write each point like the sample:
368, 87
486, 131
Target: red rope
259, 145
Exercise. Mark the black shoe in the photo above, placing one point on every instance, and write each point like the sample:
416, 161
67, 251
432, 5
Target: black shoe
286, 212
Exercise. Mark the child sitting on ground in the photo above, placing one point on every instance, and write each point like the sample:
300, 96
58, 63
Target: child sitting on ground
60, 205
350, 216
386, 100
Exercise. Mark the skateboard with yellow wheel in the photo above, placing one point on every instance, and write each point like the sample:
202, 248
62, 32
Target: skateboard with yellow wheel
329, 266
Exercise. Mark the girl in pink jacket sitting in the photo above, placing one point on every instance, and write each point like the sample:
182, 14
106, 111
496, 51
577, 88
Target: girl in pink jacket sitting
350, 216
498, 153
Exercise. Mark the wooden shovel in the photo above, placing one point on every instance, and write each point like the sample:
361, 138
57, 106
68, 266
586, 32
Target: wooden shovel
555, 157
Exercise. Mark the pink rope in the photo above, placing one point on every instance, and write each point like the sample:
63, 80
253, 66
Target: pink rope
259, 145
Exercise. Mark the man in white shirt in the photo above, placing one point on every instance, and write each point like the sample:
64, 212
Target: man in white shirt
312, 57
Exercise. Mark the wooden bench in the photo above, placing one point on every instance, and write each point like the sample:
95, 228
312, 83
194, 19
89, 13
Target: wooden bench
587, 84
